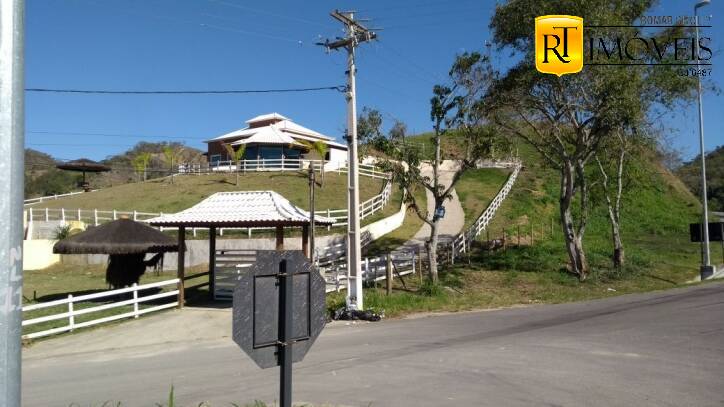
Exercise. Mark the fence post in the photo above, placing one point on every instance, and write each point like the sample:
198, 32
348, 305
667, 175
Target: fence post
329, 227
531, 233
419, 263
389, 274
79, 219
135, 300
47, 215
367, 271
115, 215
551, 228
30, 213
135, 215
194, 231
62, 216
95, 217
71, 317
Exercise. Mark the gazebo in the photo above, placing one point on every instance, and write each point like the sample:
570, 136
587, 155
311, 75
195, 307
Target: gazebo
240, 209
83, 165
126, 242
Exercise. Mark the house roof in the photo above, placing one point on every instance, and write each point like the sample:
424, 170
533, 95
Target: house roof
267, 135
280, 124
266, 117
241, 209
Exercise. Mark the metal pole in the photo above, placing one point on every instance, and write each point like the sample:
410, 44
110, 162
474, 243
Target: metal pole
311, 212
706, 269
12, 142
354, 251
285, 336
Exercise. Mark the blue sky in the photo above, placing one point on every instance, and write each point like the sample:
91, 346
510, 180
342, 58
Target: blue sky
233, 44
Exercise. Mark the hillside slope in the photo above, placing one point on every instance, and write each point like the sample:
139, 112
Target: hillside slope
690, 174
159, 195
656, 214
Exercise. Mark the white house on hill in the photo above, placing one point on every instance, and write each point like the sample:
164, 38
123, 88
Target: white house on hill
273, 137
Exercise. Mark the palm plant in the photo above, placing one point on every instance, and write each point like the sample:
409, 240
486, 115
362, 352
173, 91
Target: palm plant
140, 163
236, 156
169, 156
321, 148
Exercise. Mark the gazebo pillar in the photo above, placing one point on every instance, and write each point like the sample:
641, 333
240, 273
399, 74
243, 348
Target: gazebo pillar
305, 241
181, 264
212, 261
280, 238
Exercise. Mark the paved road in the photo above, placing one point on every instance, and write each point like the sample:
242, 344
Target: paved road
454, 220
661, 349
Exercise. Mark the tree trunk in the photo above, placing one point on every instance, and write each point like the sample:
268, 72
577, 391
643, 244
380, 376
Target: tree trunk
321, 172
573, 239
237, 173
432, 252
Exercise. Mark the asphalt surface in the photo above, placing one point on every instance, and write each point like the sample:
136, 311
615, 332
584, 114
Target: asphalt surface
657, 349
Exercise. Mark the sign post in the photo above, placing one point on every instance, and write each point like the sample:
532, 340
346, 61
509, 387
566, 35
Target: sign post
279, 311
285, 334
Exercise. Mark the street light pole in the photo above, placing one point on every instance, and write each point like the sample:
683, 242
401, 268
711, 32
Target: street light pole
706, 270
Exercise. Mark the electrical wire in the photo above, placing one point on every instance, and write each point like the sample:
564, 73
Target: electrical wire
78, 133
182, 92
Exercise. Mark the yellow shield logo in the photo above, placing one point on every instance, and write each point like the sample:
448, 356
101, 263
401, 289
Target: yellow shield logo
559, 44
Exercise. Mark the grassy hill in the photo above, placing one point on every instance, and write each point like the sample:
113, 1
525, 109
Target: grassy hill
656, 215
159, 195
690, 174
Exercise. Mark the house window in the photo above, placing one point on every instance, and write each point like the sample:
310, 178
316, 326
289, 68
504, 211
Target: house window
214, 159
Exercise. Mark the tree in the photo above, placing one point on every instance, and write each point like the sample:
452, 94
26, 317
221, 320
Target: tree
566, 119
169, 156
369, 128
321, 148
140, 163
398, 132
236, 156
458, 107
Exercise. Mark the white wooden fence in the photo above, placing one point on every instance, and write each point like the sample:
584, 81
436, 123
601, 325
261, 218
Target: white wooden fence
96, 216
32, 201
461, 243
73, 311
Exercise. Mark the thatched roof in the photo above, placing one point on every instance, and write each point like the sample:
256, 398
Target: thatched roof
83, 164
122, 236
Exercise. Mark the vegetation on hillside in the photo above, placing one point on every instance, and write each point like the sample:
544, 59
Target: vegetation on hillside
42, 178
690, 173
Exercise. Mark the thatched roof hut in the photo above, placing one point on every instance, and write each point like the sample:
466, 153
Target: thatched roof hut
122, 236
83, 165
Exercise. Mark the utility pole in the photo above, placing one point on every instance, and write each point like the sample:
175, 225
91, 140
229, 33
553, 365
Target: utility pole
12, 121
356, 33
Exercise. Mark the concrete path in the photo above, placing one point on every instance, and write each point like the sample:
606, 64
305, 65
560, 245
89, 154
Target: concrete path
454, 219
656, 349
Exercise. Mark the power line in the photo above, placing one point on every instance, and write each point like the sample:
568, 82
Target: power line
182, 92
78, 133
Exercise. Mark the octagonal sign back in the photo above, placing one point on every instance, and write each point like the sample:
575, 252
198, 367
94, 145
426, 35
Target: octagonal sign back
256, 306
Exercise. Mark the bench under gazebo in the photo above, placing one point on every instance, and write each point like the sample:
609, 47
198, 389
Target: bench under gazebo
240, 209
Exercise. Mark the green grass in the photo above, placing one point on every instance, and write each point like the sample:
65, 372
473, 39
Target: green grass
399, 236
476, 188
161, 196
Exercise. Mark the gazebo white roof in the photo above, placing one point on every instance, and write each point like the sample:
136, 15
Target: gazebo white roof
241, 209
